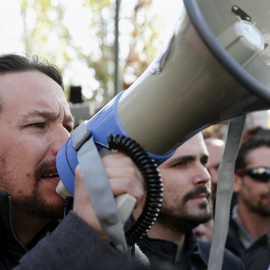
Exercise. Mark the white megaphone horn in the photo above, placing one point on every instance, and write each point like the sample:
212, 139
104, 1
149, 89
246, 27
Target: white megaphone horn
214, 68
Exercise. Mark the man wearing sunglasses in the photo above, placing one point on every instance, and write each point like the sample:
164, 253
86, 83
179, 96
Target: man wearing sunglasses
250, 217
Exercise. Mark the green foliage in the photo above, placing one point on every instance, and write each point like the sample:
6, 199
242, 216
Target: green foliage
48, 32
144, 42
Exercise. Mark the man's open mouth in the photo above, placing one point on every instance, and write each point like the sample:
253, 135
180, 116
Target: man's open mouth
50, 175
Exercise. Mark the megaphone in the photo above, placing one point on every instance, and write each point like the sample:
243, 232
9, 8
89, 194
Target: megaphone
214, 67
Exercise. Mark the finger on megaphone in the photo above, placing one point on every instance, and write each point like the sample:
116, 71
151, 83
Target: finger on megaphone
119, 159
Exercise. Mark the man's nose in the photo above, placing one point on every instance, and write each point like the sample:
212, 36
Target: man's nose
202, 175
60, 136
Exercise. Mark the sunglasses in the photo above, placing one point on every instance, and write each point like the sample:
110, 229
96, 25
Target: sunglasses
259, 174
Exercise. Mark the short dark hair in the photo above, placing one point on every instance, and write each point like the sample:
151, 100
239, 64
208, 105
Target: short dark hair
19, 63
247, 146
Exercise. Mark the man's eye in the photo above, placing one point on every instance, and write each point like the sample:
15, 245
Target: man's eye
38, 125
204, 160
180, 164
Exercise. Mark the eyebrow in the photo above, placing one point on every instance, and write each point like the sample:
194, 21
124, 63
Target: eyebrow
181, 159
45, 115
186, 158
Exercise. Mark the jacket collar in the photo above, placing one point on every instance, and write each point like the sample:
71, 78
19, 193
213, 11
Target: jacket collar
10, 245
167, 250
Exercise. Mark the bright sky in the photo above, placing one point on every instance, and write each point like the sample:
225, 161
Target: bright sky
11, 31
11, 24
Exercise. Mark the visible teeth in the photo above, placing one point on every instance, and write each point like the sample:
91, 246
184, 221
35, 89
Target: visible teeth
50, 175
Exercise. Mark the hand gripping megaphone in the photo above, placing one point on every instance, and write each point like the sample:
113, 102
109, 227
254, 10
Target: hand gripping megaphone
215, 67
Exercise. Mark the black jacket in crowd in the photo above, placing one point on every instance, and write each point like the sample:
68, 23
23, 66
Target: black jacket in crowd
195, 257
11, 250
64, 248
71, 245
233, 243
257, 256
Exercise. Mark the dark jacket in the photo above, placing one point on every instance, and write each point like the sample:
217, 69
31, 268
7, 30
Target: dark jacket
195, 257
233, 243
64, 248
11, 250
257, 256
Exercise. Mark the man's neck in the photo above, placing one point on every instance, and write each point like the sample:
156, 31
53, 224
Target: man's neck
254, 223
160, 232
26, 227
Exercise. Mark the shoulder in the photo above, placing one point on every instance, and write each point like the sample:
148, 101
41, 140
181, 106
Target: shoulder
230, 261
233, 242
70, 249
257, 255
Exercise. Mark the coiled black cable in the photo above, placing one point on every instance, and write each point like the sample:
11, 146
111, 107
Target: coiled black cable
154, 186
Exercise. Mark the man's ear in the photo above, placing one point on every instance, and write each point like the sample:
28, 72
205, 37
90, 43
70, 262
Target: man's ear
237, 184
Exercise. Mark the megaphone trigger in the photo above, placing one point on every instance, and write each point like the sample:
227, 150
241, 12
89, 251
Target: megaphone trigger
125, 204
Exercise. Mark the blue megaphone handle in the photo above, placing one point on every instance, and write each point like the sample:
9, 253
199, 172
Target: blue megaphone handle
105, 122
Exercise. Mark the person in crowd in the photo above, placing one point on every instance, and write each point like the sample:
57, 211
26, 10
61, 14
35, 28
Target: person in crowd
215, 148
257, 256
250, 217
35, 122
186, 204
